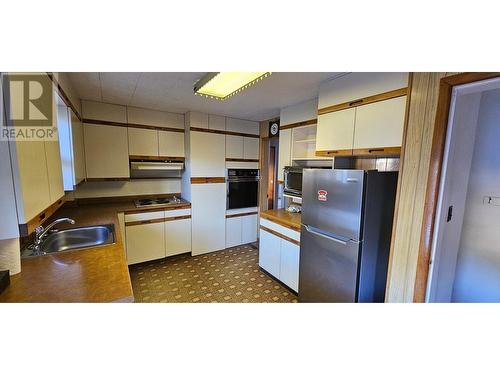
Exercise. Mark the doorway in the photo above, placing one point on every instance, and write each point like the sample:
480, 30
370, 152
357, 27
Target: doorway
464, 263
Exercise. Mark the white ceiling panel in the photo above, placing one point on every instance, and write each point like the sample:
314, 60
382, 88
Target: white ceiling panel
173, 92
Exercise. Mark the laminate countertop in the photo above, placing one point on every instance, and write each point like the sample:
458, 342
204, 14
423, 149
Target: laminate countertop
97, 274
281, 216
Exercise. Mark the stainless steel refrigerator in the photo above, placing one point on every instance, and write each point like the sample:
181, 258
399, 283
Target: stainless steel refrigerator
345, 236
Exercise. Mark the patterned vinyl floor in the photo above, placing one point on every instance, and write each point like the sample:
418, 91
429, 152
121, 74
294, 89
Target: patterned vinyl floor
230, 275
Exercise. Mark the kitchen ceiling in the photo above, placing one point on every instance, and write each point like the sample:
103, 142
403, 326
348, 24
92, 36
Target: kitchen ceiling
173, 92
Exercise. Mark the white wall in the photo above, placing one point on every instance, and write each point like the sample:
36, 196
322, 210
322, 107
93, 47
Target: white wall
477, 277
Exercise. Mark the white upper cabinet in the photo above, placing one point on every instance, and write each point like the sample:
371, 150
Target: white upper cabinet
142, 142
208, 154
216, 122
380, 124
251, 148
359, 85
284, 151
197, 120
170, 144
150, 117
242, 126
234, 146
335, 130
104, 111
106, 151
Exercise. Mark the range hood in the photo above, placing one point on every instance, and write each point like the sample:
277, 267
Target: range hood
148, 168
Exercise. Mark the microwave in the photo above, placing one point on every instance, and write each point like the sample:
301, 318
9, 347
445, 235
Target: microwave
293, 181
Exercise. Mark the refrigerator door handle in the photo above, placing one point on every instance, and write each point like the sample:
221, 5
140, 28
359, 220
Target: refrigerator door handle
323, 235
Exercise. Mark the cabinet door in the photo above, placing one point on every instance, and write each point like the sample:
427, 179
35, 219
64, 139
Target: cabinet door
216, 122
171, 143
208, 154
335, 130
177, 237
233, 231
269, 253
249, 228
251, 148
234, 147
284, 151
289, 269
145, 242
106, 151
380, 124
208, 207
78, 148
142, 142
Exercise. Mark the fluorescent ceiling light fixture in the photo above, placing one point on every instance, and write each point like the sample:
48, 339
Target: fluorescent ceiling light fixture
222, 85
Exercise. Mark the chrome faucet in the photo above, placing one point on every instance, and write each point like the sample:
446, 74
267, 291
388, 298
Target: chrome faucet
41, 232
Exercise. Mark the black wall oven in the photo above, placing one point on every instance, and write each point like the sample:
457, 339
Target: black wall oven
242, 188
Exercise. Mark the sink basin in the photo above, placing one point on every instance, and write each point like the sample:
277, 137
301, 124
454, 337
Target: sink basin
75, 238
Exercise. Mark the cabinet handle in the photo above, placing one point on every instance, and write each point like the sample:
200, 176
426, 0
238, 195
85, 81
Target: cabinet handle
376, 150
355, 102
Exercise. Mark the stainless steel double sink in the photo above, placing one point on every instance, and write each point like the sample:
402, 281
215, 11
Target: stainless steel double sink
74, 239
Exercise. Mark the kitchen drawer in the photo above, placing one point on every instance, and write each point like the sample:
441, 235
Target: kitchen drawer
290, 233
144, 216
174, 213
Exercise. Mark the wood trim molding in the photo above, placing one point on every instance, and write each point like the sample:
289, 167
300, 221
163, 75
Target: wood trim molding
363, 101
208, 180
108, 179
434, 175
159, 220
155, 158
103, 122
299, 124
153, 127
376, 151
282, 236
29, 227
243, 160
64, 96
224, 132
229, 216
332, 153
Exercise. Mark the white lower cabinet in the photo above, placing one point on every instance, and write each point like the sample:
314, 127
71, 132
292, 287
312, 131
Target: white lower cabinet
249, 228
233, 231
241, 230
270, 253
208, 217
145, 242
289, 264
177, 237
280, 258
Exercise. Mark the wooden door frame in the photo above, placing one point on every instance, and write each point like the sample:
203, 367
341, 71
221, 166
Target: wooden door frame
434, 176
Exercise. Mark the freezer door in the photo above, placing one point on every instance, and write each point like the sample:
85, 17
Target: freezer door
328, 268
332, 200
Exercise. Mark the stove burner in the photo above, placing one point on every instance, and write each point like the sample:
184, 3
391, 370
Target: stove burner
156, 201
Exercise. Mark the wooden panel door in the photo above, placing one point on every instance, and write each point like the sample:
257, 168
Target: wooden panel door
249, 228
233, 231
251, 148
106, 151
289, 269
171, 143
145, 242
284, 151
335, 130
142, 142
234, 146
208, 154
208, 207
177, 237
269, 253
380, 124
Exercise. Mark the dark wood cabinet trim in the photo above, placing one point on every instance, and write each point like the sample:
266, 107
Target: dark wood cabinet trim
153, 127
280, 235
155, 158
103, 122
208, 180
243, 160
299, 124
373, 151
332, 153
224, 132
363, 101
159, 220
229, 216
29, 227
108, 179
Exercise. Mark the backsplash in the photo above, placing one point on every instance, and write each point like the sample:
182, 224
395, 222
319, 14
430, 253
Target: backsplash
125, 188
